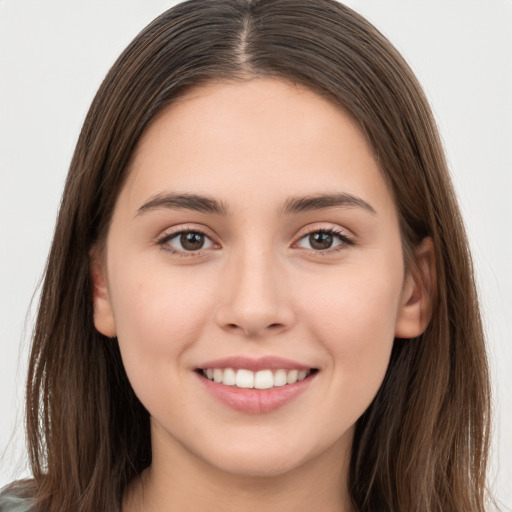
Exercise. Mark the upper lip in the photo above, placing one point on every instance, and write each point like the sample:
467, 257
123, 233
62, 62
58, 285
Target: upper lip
255, 364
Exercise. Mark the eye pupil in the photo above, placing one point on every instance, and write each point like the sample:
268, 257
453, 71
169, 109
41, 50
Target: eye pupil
320, 240
192, 241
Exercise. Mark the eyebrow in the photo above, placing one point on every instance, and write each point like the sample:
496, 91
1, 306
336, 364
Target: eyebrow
292, 205
184, 202
323, 201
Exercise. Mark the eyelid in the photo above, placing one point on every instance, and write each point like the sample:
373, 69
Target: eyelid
174, 231
346, 238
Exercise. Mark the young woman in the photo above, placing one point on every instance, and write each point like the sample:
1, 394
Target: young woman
259, 293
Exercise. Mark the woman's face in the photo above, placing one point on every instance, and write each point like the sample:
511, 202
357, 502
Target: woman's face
254, 241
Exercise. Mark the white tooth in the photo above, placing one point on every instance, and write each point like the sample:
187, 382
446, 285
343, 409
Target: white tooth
291, 378
229, 377
217, 375
209, 373
263, 379
280, 378
245, 379
302, 374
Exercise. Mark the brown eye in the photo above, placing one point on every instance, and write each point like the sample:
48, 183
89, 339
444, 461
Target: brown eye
323, 240
192, 241
187, 241
320, 241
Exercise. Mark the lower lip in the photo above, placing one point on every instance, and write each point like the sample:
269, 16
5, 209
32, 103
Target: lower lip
256, 401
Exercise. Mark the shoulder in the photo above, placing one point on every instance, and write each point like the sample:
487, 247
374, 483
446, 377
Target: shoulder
17, 497
11, 503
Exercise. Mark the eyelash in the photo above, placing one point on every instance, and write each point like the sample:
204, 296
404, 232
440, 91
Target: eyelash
332, 231
163, 242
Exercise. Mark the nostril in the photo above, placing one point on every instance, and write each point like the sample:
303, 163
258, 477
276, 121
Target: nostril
254, 330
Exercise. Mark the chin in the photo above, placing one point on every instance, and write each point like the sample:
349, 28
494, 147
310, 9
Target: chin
272, 457
259, 465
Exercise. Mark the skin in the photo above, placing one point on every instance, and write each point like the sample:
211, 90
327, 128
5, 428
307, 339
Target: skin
258, 287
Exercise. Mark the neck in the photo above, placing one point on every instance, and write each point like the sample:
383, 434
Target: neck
184, 482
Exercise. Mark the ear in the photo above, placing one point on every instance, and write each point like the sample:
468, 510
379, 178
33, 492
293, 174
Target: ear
103, 313
417, 296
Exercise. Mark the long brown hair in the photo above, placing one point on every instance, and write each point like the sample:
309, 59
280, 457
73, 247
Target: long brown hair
422, 444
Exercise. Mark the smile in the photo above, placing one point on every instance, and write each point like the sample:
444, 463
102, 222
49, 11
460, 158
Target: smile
262, 379
269, 385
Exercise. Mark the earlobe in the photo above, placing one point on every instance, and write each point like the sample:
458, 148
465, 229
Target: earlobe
418, 293
103, 313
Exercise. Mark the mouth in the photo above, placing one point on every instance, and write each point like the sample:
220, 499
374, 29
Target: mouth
243, 378
256, 385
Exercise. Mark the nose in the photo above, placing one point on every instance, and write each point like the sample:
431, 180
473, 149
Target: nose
255, 299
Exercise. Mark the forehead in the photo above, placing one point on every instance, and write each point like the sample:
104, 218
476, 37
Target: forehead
261, 137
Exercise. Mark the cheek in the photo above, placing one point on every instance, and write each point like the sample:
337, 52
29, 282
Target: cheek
354, 320
159, 311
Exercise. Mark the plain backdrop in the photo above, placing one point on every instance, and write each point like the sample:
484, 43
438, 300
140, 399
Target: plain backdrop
53, 55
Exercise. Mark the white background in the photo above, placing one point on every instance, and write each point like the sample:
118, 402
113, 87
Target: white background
53, 55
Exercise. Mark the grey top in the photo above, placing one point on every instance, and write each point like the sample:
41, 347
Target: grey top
14, 504
15, 500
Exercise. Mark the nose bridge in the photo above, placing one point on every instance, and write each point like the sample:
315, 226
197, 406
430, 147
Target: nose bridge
254, 297
255, 281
